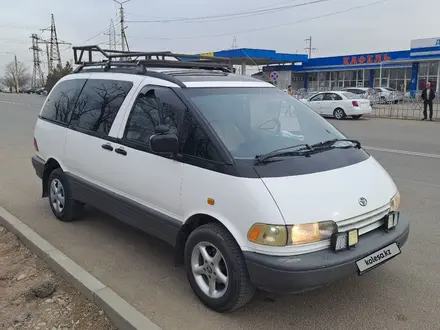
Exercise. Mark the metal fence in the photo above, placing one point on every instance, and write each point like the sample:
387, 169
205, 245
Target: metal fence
400, 106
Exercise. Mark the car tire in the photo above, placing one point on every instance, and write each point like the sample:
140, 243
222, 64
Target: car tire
339, 113
357, 116
213, 256
63, 206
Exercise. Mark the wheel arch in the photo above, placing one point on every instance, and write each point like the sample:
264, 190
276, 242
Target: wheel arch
50, 165
339, 108
192, 223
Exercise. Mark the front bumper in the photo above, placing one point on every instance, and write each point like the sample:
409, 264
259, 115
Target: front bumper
295, 274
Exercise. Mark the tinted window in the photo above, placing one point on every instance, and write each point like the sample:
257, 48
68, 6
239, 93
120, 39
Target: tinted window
62, 99
350, 96
317, 97
195, 142
99, 103
332, 97
154, 106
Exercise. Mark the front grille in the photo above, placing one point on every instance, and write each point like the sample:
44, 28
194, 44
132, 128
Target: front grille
365, 222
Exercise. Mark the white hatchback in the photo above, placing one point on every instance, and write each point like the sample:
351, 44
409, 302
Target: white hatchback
339, 104
251, 187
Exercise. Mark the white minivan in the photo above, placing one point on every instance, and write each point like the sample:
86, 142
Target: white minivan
252, 187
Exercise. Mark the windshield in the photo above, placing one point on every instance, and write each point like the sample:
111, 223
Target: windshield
254, 121
350, 96
390, 89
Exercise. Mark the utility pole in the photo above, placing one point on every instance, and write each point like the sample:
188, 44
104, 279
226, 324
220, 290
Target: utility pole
112, 36
55, 57
17, 87
37, 73
310, 49
122, 21
15, 72
234, 43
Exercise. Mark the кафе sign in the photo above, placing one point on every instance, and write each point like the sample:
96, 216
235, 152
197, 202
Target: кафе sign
365, 59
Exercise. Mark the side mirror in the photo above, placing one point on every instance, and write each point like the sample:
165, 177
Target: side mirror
164, 143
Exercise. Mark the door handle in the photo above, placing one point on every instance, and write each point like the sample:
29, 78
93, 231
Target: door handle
107, 147
121, 151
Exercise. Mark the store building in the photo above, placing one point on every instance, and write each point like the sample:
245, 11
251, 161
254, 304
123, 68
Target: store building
405, 70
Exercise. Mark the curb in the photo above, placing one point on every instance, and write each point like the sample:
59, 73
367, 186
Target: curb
119, 311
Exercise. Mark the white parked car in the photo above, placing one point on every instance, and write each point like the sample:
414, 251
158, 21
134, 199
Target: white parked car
339, 104
251, 187
388, 95
363, 92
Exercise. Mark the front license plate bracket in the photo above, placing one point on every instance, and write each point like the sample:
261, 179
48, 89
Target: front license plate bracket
377, 258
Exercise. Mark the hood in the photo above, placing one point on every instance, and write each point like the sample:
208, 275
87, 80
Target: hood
332, 195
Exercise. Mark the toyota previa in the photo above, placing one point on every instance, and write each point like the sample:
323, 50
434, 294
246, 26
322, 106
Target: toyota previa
252, 188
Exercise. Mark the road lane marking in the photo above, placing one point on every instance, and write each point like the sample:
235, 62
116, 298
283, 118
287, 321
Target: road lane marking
423, 183
16, 103
403, 152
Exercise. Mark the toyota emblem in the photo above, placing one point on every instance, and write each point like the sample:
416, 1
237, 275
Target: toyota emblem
362, 201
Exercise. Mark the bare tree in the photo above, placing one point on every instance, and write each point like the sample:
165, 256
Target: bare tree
14, 74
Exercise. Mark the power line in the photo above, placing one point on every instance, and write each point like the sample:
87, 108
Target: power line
177, 18
101, 33
266, 27
224, 17
17, 27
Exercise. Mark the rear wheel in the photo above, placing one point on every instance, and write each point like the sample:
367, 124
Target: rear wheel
63, 206
216, 269
339, 114
357, 116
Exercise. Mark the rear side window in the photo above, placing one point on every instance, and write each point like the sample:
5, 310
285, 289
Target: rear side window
61, 102
99, 104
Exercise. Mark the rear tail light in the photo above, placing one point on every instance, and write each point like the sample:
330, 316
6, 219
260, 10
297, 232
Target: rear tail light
355, 103
35, 145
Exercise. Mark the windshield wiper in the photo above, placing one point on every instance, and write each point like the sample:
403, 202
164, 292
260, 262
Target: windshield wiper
295, 150
331, 144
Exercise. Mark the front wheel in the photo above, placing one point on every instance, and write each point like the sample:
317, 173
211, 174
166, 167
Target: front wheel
216, 269
339, 114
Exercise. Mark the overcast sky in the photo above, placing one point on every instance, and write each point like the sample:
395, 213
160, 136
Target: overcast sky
389, 25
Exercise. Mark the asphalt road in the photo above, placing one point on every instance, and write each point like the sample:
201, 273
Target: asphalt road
402, 294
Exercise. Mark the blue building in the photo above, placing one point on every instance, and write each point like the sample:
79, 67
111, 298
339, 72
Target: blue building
405, 70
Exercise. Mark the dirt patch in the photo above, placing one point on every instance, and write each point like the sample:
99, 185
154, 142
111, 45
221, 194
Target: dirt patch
34, 297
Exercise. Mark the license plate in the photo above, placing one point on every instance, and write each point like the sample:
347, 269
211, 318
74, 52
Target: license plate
377, 258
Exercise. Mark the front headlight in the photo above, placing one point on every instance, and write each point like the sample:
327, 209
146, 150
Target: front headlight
264, 234
395, 203
311, 232
276, 235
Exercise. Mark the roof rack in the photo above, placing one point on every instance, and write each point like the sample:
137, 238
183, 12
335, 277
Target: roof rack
144, 60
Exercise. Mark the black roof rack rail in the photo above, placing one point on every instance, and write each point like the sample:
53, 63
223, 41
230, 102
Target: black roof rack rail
165, 59
131, 68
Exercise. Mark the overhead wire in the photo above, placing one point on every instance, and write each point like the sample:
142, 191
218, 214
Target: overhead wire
223, 17
265, 27
102, 32
174, 18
